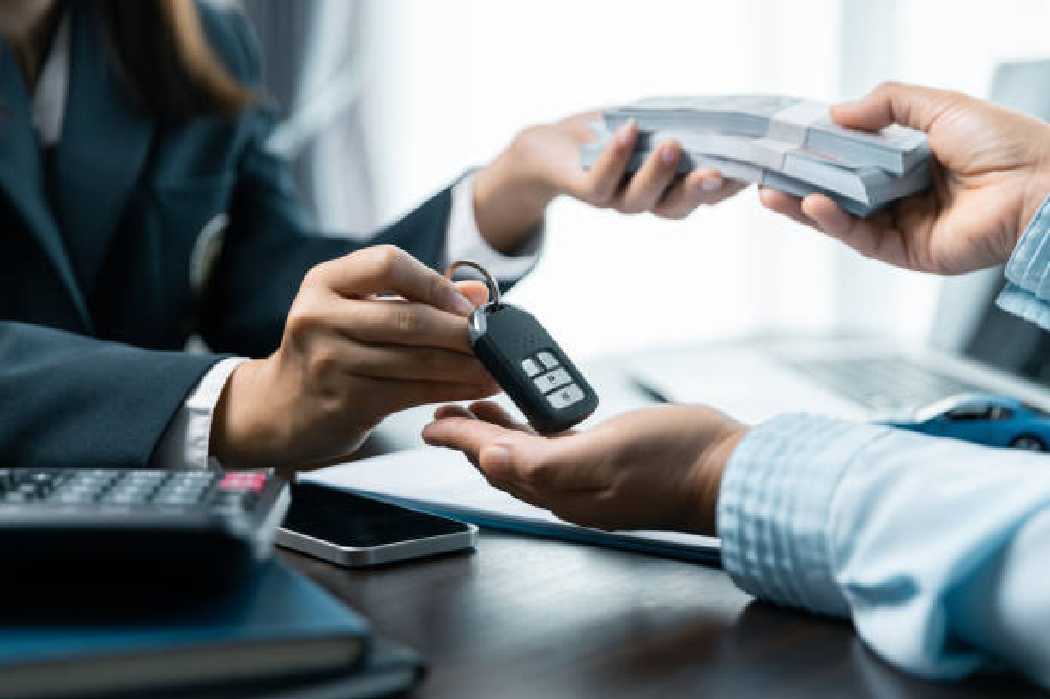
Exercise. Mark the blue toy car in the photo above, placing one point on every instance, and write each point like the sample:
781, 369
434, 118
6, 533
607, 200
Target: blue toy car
995, 421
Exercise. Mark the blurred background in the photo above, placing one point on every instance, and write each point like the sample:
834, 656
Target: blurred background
388, 100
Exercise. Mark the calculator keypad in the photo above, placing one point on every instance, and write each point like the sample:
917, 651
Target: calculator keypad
167, 490
555, 383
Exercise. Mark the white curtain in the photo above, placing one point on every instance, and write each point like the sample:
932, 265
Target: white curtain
315, 67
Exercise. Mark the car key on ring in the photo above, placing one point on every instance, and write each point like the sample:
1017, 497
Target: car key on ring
526, 361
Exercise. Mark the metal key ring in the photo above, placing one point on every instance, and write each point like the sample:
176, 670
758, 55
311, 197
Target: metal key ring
491, 283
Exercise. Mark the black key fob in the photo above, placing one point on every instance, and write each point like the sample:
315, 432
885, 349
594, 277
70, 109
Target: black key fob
528, 364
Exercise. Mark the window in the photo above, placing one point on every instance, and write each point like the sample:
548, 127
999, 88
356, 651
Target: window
453, 81
979, 412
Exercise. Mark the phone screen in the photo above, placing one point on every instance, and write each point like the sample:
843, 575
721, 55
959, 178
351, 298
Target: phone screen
345, 519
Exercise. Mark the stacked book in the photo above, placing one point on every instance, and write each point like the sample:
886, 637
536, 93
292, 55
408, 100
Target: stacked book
278, 635
785, 143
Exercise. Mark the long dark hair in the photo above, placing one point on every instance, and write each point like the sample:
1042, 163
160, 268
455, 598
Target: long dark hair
167, 61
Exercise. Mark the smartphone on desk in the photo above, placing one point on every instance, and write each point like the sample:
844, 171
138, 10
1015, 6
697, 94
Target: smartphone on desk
355, 531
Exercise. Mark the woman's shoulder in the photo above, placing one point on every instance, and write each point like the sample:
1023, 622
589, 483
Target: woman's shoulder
231, 36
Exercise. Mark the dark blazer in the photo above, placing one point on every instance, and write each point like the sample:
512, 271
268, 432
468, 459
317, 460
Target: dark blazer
95, 248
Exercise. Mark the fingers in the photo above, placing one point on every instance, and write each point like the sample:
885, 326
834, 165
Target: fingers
444, 411
873, 237
894, 103
399, 395
455, 428
646, 187
784, 204
603, 179
494, 413
816, 211
388, 269
652, 187
395, 322
527, 465
700, 187
476, 292
827, 215
414, 364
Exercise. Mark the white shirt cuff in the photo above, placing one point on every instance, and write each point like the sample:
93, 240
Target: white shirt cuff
185, 443
465, 241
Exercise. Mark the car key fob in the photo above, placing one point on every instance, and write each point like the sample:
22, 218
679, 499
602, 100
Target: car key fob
530, 366
526, 361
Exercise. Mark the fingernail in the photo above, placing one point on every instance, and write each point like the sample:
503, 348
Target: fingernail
626, 133
497, 456
711, 184
668, 154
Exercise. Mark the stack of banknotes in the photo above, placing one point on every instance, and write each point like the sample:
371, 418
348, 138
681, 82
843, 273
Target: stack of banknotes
785, 143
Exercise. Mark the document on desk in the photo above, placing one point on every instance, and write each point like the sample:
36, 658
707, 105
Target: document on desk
443, 482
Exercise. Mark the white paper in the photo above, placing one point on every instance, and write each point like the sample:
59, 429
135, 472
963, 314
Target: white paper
444, 478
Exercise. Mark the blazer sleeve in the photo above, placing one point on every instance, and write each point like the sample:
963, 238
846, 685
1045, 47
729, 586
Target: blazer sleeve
271, 241
70, 400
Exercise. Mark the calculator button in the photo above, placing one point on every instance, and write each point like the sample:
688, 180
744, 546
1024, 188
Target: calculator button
565, 397
530, 367
175, 499
126, 491
242, 481
146, 477
122, 499
549, 360
552, 380
73, 498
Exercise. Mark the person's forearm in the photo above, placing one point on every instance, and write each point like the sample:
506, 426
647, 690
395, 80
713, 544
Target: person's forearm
930, 545
509, 204
68, 399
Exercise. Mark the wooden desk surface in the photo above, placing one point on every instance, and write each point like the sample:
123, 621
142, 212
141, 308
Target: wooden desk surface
525, 617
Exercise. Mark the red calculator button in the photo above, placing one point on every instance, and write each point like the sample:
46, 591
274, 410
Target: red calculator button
243, 481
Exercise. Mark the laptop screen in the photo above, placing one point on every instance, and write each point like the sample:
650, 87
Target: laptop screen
1002, 339
1009, 343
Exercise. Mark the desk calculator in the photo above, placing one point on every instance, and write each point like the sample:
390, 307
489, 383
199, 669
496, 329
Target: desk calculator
165, 523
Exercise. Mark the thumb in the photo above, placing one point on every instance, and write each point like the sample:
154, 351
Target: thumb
476, 292
894, 103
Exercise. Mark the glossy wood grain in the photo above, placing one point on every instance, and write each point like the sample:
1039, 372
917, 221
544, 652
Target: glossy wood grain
525, 617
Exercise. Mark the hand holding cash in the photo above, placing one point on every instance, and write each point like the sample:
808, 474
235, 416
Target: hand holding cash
920, 178
543, 162
990, 175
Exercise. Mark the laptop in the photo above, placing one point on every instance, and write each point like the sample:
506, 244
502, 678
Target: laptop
973, 347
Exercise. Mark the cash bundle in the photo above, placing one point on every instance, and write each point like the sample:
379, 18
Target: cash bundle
782, 142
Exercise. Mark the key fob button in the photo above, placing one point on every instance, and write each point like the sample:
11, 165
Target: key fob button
552, 380
530, 367
549, 360
528, 364
567, 396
